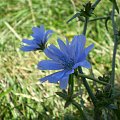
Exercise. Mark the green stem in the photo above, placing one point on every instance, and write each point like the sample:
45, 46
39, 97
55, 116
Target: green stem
71, 85
87, 87
98, 18
95, 4
112, 80
91, 78
85, 25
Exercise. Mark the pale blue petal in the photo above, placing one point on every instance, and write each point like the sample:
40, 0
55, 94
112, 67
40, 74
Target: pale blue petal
88, 49
64, 82
38, 34
50, 78
58, 53
29, 48
38, 30
67, 42
47, 36
49, 65
51, 55
80, 57
81, 40
69, 72
85, 64
63, 47
55, 50
29, 42
53, 78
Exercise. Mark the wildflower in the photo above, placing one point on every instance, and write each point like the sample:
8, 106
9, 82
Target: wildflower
40, 37
66, 59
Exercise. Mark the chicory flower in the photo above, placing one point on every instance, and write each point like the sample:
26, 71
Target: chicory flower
40, 37
66, 59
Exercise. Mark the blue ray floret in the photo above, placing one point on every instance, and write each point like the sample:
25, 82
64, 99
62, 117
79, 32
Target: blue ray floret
66, 58
40, 37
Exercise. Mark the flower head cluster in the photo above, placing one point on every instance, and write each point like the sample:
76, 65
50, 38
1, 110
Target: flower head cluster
40, 37
66, 59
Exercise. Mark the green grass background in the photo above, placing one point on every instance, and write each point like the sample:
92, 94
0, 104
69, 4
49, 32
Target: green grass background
21, 94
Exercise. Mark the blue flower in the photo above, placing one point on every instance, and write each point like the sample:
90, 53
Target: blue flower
40, 37
66, 59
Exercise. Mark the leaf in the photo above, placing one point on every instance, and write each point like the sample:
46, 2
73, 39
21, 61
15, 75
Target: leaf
63, 95
73, 17
106, 21
88, 7
68, 102
115, 5
81, 18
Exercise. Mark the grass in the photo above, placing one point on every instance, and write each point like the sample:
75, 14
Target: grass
21, 94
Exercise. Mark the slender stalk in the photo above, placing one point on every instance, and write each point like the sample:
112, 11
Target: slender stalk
87, 87
98, 18
112, 80
91, 78
95, 4
71, 85
85, 25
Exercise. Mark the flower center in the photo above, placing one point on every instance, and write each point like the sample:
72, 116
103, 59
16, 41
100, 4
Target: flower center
69, 64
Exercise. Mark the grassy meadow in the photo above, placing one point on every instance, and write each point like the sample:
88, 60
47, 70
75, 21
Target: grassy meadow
22, 96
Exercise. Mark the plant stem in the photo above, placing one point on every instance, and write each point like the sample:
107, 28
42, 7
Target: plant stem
112, 80
91, 78
95, 4
87, 87
98, 18
71, 85
85, 25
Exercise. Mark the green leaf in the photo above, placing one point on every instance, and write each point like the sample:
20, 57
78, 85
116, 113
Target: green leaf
67, 103
106, 25
73, 17
115, 4
88, 7
63, 95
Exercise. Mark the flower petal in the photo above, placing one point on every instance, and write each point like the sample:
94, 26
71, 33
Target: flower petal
54, 78
59, 54
64, 82
38, 30
29, 48
51, 55
85, 64
62, 46
49, 65
47, 36
88, 49
38, 34
80, 57
29, 42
